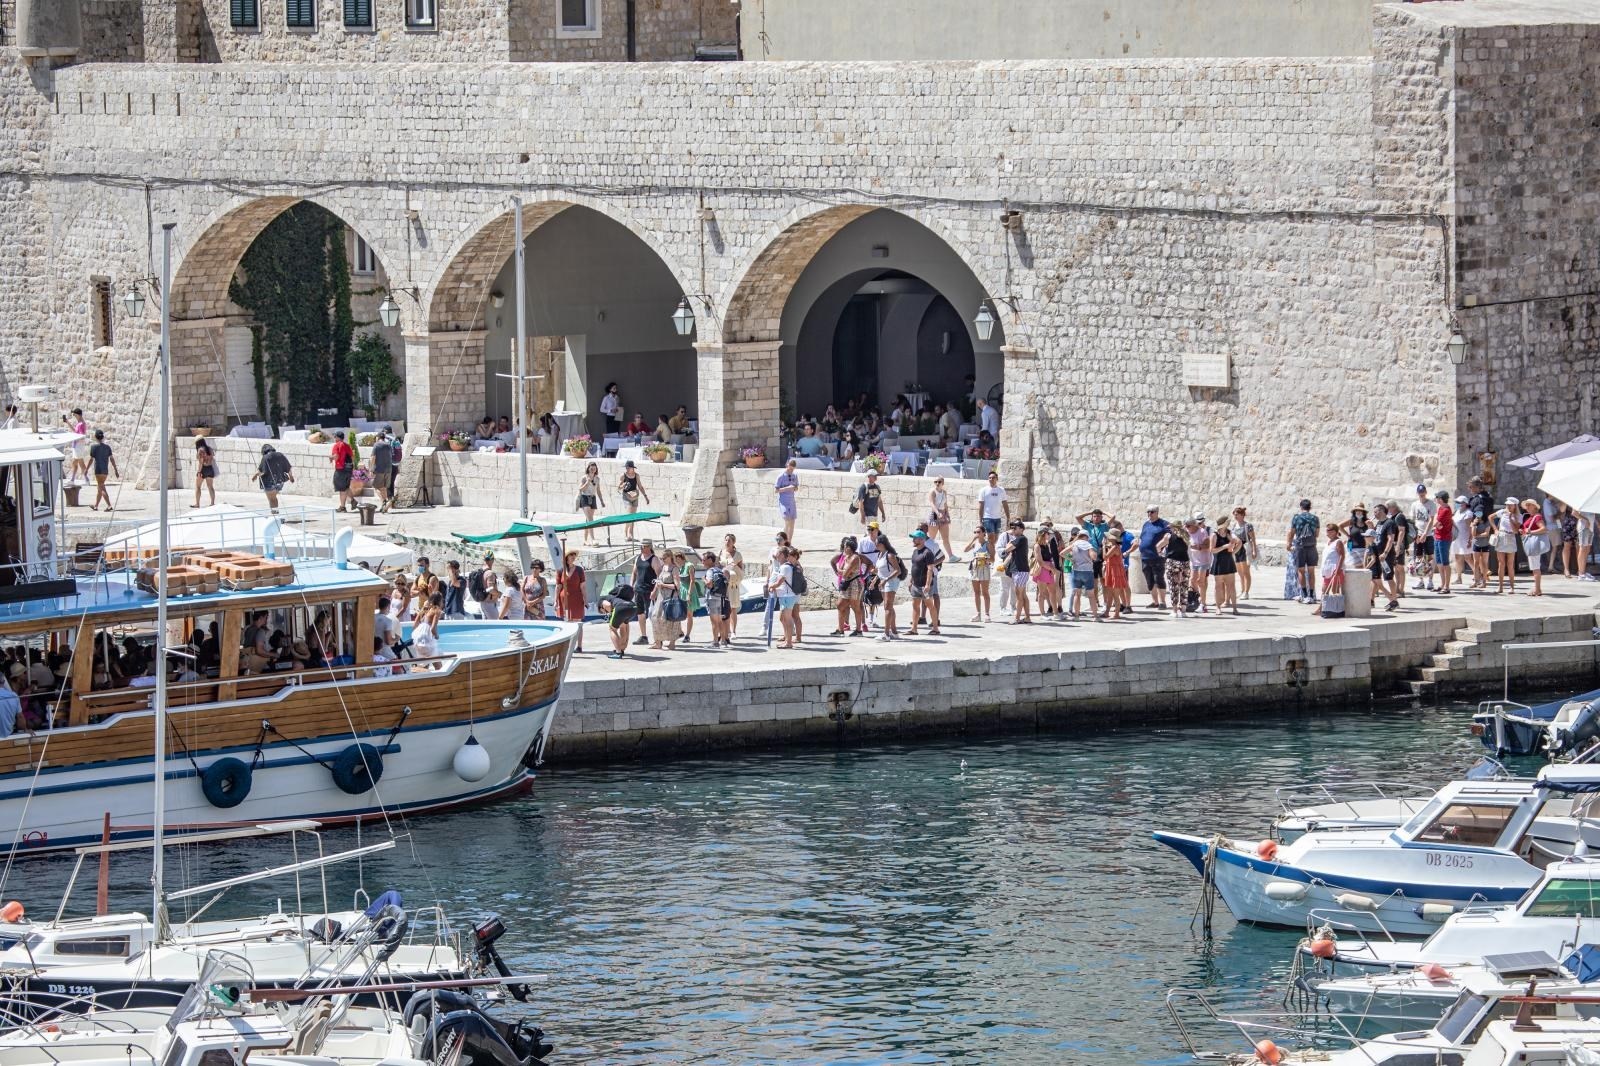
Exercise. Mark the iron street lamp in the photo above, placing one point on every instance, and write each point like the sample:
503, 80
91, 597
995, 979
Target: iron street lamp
133, 300
1457, 347
389, 312
683, 318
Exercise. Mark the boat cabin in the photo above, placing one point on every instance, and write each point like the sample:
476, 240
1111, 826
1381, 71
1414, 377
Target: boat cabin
1498, 815
32, 561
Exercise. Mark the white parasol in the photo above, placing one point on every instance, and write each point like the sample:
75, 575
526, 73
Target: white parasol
1574, 481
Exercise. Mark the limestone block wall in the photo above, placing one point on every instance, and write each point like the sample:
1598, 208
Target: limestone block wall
491, 479
1290, 215
113, 31
1527, 279
664, 30
474, 30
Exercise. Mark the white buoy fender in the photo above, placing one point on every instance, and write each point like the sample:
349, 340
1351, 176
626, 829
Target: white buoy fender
1355, 901
472, 761
1287, 891
1435, 912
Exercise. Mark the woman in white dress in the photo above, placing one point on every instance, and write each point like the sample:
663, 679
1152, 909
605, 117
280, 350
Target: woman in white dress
511, 603
425, 632
1332, 564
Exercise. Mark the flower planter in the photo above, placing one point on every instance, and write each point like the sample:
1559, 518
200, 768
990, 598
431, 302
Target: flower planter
459, 445
660, 457
755, 462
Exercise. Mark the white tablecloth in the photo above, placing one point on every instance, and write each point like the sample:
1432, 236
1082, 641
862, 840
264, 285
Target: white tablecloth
611, 442
571, 423
917, 400
978, 468
802, 462
943, 468
258, 430
635, 453
289, 436
904, 462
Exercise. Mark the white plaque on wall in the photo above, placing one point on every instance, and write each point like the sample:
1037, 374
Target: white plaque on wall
1207, 370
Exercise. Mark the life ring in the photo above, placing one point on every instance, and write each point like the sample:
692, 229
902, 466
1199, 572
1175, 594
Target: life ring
357, 769
226, 782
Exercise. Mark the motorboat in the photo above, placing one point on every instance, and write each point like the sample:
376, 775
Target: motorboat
1559, 914
1471, 844
1509, 728
1522, 1028
224, 1017
1417, 997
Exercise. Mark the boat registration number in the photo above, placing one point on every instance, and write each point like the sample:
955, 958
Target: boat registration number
1459, 862
70, 990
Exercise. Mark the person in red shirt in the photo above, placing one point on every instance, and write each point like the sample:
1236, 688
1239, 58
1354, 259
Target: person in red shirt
344, 461
1444, 530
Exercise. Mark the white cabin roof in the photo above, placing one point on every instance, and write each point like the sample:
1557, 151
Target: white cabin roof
24, 445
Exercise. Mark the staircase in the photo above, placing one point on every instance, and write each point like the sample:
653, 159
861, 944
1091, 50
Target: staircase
1425, 681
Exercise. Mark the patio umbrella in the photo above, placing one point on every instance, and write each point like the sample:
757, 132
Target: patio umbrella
1579, 445
1575, 481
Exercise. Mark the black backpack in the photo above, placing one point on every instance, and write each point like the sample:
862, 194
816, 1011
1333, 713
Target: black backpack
475, 587
899, 567
797, 582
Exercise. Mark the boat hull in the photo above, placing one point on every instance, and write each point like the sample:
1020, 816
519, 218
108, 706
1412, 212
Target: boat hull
1243, 880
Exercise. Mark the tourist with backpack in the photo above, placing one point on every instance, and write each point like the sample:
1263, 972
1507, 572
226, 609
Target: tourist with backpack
780, 588
1302, 545
717, 610
273, 472
849, 579
892, 571
480, 586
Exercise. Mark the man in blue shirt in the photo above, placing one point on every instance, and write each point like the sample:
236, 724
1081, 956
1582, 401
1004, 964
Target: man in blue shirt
10, 708
1155, 571
809, 445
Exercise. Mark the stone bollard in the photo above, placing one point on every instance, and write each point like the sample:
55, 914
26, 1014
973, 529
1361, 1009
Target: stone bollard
1358, 594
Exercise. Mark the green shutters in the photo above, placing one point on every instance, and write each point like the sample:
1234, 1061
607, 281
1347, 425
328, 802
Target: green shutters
358, 14
300, 14
243, 14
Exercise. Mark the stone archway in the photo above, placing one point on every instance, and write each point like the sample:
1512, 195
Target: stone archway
202, 313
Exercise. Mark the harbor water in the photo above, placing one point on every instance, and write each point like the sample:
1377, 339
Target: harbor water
990, 901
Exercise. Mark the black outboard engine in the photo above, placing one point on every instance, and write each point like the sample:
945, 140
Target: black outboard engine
453, 1019
1585, 727
484, 934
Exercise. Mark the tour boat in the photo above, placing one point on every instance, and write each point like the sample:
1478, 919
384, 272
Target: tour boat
352, 740
1470, 844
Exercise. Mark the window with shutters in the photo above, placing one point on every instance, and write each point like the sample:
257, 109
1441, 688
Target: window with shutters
244, 14
100, 308
300, 14
422, 14
578, 18
358, 14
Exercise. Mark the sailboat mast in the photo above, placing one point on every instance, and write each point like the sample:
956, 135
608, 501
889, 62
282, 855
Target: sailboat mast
521, 407
158, 916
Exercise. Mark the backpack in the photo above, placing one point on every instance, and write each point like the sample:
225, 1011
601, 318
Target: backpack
475, 587
899, 568
716, 582
797, 582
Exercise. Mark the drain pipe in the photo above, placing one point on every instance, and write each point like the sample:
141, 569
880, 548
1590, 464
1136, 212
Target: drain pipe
633, 31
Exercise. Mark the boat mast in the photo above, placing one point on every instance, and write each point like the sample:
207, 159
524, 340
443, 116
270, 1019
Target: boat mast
521, 371
158, 916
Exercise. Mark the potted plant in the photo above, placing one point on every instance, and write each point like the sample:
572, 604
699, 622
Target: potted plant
754, 455
658, 452
976, 452
455, 440
877, 461
578, 446
316, 436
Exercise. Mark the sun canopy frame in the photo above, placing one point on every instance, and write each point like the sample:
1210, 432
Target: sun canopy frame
521, 530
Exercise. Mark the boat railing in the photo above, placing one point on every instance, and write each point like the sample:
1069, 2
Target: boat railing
1340, 921
269, 686
292, 533
25, 1010
438, 921
1253, 1027
1292, 798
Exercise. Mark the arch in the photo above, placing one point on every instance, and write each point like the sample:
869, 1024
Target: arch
454, 299
754, 300
201, 309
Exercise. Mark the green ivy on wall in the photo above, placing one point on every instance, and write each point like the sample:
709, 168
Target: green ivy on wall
295, 281
372, 367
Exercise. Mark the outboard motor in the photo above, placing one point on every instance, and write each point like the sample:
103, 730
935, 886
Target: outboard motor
1585, 727
454, 1019
484, 934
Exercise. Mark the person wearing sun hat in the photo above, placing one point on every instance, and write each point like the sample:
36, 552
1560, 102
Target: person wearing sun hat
1506, 522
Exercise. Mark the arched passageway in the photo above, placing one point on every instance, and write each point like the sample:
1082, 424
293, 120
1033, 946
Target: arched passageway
269, 305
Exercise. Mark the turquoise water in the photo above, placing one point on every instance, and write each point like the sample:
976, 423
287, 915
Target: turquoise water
986, 901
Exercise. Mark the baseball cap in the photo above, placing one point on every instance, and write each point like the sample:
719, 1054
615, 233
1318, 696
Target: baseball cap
1422, 488
874, 524
1512, 501
1461, 499
1199, 516
917, 534
1080, 533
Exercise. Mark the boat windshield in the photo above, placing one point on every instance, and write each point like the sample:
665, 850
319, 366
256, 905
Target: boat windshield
1463, 1014
1564, 897
224, 978
1476, 823
1429, 811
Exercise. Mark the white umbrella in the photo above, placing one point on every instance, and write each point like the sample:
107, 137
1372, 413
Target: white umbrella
1579, 445
1574, 481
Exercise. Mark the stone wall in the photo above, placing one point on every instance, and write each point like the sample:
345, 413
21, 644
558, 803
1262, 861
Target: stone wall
1292, 216
824, 499
929, 692
1527, 277
664, 30
113, 31
491, 479
466, 30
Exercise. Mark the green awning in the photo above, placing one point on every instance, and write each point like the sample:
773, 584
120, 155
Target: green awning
534, 529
